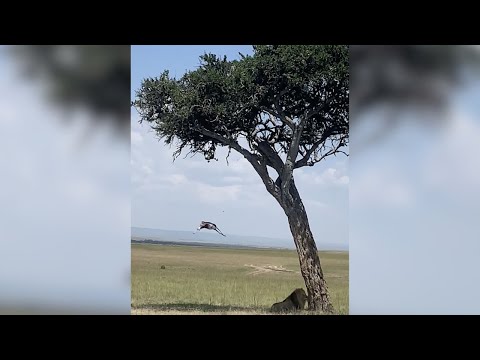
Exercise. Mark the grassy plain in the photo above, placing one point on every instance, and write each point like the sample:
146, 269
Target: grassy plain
209, 280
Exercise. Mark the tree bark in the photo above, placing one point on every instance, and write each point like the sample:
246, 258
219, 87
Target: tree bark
318, 297
286, 194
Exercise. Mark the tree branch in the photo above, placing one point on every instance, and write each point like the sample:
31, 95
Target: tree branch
259, 166
271, 119
304, 160
333, 150
258, 130
280, 112
225, 141
317, 109
294, 147
272, 155
287, 172
269, 184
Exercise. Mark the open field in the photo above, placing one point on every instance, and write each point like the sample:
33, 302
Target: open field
202, 280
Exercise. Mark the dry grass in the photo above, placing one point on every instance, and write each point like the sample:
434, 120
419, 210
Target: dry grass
201, 280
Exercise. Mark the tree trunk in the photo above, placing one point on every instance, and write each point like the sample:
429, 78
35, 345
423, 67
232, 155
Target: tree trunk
318, 298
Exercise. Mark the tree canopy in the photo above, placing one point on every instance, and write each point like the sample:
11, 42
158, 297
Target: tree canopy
284, 101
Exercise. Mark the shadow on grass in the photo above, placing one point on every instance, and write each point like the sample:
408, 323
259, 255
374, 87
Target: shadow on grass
209, 308
201, 307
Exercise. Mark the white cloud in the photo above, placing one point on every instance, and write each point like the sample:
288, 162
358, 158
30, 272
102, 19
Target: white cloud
380, 188
452, 161
233, 179
142, 167
6, 115
136, 138
177, 179
147, 170
316, 203
81, 190
217, 194
180, 186
330, 176
240, 166
193, 164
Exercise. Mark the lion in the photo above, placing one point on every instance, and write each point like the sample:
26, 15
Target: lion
295, 301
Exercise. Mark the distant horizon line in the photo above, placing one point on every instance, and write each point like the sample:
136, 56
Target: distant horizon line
151, 228
347, 245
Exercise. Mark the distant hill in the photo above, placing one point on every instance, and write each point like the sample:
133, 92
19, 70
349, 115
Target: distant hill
205, 237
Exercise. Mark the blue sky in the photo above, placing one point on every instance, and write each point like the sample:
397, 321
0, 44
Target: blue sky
179, 195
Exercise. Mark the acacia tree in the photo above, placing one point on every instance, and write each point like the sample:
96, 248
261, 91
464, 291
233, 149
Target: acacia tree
282, 108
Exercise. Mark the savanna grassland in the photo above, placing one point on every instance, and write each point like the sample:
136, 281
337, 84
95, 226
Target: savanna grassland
210, 280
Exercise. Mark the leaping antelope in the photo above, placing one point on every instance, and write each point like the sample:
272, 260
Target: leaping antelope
210, 226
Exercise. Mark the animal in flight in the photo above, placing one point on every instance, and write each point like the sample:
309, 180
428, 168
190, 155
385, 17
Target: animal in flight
210, 226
